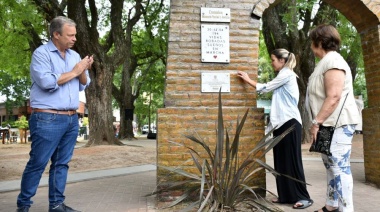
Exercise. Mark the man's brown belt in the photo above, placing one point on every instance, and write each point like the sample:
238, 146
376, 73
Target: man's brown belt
62, 112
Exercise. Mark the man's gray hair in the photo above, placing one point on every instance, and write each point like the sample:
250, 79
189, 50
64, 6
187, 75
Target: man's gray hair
57, 23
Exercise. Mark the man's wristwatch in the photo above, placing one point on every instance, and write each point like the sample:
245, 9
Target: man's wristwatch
314, 122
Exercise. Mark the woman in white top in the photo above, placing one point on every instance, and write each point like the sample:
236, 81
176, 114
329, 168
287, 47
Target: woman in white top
330, 91
284, 113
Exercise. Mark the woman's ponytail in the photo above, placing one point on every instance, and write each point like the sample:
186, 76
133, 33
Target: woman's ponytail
290, 58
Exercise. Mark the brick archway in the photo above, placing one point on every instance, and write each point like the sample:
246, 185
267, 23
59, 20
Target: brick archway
365, 18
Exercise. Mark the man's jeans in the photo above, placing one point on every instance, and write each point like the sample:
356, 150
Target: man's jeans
53, 137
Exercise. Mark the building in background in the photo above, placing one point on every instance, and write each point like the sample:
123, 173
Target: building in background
25, 110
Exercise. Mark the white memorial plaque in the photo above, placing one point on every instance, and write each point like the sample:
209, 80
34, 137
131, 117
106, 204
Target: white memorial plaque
212, 82
215, 43
215, 15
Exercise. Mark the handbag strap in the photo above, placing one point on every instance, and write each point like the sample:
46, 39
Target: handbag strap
340, 111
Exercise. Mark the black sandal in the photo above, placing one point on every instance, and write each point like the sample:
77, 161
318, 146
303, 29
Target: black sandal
303, 204
324, 209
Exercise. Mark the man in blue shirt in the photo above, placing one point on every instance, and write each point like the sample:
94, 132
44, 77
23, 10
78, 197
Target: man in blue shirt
58, 74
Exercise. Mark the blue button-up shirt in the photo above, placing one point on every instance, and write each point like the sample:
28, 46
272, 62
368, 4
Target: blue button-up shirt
46, 67
285, 97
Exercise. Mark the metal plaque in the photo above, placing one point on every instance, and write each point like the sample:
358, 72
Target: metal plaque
215, 15
215, 43
212, 82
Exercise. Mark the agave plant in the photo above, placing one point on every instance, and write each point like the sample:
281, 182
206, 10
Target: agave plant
224, 179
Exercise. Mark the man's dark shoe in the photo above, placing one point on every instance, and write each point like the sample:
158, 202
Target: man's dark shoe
23, 209
62, 208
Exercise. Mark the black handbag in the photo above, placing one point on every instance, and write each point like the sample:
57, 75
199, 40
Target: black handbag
323, 141
324, 136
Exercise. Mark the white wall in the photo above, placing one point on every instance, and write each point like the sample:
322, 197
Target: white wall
116, 114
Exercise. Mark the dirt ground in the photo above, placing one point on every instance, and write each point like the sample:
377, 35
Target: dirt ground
13, 158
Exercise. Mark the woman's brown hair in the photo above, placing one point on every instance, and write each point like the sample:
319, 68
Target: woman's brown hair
327, 35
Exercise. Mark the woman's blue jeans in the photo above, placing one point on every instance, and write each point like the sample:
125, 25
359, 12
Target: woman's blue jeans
53, 138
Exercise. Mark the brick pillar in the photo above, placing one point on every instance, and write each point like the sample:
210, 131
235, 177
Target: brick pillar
371, 114
187, 109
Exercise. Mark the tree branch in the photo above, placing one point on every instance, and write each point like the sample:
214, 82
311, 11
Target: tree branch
51, 8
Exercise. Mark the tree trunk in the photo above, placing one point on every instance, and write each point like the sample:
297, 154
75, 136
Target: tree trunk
99, 92
99, 104
126, 126
125, 98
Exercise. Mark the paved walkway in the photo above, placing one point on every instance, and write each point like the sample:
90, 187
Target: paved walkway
123, 189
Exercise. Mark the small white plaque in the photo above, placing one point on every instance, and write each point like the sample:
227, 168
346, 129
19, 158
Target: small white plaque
212, 82
215, 15
215, 43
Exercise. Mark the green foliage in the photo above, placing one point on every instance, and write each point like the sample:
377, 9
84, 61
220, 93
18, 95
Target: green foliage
15, 49
151, 97
266, 72
149, 48
15, 18
360, 87
149, 78
224, 178
351, 50
16, 89
5, 124
85, 121
22, 123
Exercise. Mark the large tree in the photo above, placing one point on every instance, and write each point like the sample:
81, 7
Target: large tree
118, 51
144, 71
111, 31
15, 45
286, 25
